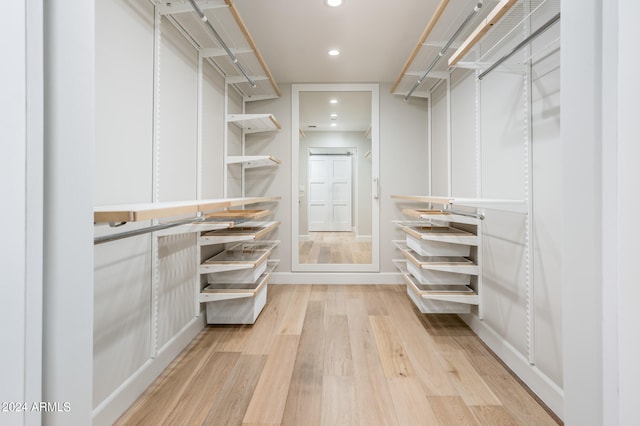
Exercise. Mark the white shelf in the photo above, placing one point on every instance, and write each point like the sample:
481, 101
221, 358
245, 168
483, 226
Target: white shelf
516, 206
149, 211
234, 259
253, 123
226, 20
454, 264
253, 161
248, 231
442, 234
444, 293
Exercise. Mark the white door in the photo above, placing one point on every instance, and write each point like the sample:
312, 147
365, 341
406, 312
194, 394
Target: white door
329, 193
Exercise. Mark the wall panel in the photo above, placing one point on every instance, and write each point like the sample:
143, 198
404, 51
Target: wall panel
440, 173
463, 134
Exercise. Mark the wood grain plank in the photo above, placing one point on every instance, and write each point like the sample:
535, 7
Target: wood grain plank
471, 386
193, 405
420, 347
336, 299
411, 403
394, 359
157, 402
490, 415
270, 396
293, 319
263, 331
237, 391
372, 390
339, 402
338, 360
517, 400
304, 402
451, 410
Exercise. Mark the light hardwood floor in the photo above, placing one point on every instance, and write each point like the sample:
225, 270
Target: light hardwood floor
338, 355
334, 248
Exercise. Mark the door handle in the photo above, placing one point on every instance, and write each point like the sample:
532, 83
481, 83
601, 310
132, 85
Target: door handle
376, 188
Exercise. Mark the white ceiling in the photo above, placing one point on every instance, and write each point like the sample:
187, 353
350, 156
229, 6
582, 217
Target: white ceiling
352, 110
374, 36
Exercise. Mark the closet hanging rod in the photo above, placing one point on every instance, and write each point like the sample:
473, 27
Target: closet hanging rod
453, 38
520, 45
231, 55
162, 226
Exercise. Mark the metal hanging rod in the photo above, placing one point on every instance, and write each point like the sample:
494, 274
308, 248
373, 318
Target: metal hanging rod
231, 55
453, 38
160, 227
523, 43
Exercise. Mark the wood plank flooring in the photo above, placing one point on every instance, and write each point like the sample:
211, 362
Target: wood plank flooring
334, 248
338, 355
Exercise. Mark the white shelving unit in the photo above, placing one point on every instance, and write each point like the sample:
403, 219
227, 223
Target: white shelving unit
441, 265
237, 277
457, 37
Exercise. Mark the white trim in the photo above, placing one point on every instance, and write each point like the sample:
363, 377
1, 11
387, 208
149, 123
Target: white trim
338, 278
122, 398
374, 266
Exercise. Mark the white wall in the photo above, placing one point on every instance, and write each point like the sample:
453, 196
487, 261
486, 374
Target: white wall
147, 149
21, 170
68, 265
521, 294
403, 132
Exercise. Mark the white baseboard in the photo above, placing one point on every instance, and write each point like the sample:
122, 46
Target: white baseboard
363, 238
121, 399
335, 278
547, 390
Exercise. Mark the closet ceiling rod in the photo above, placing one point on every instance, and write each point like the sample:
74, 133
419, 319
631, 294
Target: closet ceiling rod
453, 38
523, 43
233, 57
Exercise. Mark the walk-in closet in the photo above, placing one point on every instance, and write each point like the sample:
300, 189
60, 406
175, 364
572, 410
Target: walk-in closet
319, 212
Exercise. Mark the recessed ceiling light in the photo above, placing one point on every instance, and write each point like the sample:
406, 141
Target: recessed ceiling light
334, 115
334, 52
333, 124
333, 101
334, 3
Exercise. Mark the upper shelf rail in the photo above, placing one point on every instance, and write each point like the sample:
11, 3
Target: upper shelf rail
444, 49
149, 211
522, 44
213, 31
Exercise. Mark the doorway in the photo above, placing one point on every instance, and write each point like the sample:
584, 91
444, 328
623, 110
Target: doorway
330, 206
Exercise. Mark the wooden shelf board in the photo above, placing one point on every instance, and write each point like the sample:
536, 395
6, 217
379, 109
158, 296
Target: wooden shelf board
239, 214
442, 234
453, 264
149, 211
